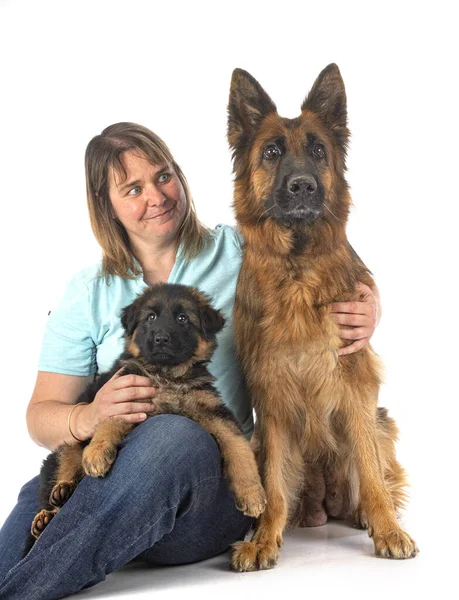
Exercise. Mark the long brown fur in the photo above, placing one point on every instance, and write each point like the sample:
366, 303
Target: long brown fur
322, 443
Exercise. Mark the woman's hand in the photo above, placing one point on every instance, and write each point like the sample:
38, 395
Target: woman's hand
357, 320
121, 397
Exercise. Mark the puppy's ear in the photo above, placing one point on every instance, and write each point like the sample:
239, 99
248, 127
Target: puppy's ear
212, 321
129, 318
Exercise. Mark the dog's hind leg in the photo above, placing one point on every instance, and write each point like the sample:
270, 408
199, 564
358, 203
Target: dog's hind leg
69, 474
310, 511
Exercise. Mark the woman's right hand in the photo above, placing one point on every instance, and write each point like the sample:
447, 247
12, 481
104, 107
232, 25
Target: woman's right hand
123, 396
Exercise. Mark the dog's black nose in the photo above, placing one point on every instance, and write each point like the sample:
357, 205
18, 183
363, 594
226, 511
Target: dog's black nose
306, 184
162, 338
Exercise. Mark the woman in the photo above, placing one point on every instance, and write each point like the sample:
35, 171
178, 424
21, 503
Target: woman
165, 499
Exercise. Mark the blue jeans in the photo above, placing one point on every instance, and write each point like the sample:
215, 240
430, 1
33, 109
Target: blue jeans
164, 500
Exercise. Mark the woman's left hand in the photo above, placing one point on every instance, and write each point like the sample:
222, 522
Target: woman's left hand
357, 320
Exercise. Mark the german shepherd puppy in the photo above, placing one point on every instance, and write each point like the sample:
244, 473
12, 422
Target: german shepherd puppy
170, 335
316, 411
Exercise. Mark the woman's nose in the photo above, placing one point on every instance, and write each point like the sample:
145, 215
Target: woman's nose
154, 196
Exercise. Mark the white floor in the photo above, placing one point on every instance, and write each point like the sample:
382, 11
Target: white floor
330, 562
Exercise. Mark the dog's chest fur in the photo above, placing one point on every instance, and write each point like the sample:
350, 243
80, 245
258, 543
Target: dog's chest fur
284, 308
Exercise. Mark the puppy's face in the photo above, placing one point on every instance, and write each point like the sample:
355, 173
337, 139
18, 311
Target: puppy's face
169, 325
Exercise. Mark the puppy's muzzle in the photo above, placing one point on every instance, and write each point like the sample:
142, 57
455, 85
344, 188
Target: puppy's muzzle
162, 339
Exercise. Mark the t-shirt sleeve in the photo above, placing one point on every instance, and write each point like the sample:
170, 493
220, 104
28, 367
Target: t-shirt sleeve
68, 347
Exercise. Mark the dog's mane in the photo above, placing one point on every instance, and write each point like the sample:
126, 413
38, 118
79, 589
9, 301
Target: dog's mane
181, 378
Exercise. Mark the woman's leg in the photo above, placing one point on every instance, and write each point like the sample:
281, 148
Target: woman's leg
165, 492
15, 530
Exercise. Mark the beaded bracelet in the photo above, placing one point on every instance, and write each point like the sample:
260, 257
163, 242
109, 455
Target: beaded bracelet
69, 417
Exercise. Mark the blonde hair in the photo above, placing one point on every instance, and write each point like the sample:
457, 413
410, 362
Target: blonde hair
103, 155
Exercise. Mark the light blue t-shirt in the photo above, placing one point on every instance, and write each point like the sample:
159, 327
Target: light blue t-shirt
84, 336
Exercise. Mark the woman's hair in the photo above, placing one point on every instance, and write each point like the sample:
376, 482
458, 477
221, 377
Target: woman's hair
103, 156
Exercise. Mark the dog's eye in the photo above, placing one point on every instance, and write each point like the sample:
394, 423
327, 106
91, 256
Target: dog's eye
182, 318
152, 317
271, 151
319, 151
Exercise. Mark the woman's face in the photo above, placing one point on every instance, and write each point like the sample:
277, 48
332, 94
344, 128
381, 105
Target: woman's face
150, 202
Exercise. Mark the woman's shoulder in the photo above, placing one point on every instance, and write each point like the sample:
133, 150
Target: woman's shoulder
228, 235
93, 281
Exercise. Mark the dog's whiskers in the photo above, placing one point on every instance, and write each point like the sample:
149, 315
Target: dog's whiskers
331, 212
264, 212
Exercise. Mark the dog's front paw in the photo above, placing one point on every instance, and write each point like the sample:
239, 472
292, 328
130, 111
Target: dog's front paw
40, 521
251, 502
395, 544
250, 556
60, 493
98, 457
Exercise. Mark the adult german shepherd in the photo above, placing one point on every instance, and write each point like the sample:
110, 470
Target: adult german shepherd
316, 411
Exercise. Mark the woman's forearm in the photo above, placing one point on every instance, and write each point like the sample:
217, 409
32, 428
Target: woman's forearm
48, 423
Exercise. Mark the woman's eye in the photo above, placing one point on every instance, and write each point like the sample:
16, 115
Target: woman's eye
135, 191
271, 151
164, 177
152, 317
319, 151
182, 318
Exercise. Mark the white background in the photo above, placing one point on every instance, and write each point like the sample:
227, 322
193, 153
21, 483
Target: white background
69, 69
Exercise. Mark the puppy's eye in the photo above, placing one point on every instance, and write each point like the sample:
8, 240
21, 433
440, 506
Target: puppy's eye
182, 318
272, 151
152, 317
319, 151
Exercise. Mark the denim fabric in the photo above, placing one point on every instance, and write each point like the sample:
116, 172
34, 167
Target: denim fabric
164, 500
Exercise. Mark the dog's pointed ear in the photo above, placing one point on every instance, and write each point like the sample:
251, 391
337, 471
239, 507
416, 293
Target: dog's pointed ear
212, 321
327, 99
129, 318
248, 105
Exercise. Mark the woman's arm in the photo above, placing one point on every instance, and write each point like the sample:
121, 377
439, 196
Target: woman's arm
358, 320
54, 397
52, 400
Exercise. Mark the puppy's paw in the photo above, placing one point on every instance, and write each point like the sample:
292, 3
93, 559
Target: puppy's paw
395, 544
250, 556
251, 502
40, 521
98, 457
60, 493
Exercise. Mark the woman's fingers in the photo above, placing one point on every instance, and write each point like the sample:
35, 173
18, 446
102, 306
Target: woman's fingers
357, 345
131, 394
120, 381
353, 320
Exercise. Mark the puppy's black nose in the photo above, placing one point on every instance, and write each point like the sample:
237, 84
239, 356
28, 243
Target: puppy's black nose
306, 184
162, 338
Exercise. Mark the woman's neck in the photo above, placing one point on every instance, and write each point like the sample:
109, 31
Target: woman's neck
156, 261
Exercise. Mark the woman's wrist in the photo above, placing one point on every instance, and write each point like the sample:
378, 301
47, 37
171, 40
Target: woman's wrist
80, 422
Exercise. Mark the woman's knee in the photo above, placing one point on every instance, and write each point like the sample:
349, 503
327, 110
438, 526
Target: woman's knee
171, 444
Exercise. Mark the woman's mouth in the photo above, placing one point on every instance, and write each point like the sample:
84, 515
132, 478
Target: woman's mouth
163, 214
